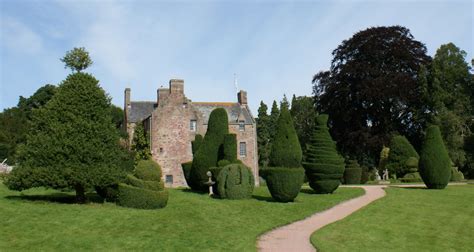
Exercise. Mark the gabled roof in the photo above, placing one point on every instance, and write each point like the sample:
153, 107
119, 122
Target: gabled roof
234, 111
140, 110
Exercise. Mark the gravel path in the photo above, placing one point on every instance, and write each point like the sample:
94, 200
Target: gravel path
295, 237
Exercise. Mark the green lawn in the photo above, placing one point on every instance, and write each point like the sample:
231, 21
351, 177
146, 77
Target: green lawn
190, 222
407, 219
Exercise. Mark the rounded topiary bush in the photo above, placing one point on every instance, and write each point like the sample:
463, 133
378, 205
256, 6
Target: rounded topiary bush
285, 176
435, 165
412, 177
456, 175
135, 197
148, 170
324, 167
353, 172
235, 181
284, 183
144, 189
400, 151
412, 164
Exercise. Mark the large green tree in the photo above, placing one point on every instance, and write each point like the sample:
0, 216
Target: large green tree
449, 95
72, 142
372, 89
263, 135
304, 115
77, 59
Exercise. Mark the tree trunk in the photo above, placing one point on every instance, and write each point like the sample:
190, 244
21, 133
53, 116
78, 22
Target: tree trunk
80, 194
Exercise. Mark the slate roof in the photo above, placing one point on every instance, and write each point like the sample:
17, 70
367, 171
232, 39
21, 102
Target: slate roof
233, 111
140, 110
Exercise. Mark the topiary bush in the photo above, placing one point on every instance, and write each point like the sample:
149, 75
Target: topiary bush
284, 183
187, 171
353, 173
148, 170
411, 177
144, 189
230, 147
400, 151
365, 175
324, 167
285, 177
435, 165
196, 143
456, 175
412, 164
235, 181
209, 151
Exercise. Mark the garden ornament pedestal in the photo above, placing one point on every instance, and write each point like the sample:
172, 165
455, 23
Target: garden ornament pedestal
210, 183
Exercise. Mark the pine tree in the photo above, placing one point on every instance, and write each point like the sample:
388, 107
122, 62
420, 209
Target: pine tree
263, 135
324, 166
274, 114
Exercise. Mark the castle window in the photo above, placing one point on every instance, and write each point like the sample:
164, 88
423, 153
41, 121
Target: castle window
161, 150
243, 149
193, 125
169, 179
242, 125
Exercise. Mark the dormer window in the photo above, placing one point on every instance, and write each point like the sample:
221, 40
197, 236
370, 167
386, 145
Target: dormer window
241, 125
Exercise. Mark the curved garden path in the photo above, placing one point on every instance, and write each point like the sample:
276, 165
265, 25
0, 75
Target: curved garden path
296, 236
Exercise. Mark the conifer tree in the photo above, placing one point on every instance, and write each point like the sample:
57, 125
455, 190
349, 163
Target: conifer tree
263, 135
324, 166
274, 114
435, 165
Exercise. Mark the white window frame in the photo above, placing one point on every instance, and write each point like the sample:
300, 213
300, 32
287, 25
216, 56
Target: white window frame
243, 149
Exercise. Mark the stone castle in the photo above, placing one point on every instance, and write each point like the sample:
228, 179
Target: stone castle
173, 120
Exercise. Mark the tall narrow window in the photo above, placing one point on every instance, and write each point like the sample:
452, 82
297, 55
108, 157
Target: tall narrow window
169, 179
243, 149
242, 125
193, 125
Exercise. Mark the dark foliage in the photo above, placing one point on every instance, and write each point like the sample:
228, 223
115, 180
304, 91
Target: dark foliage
435, 165
230, 147
372, 89
263, 135
324, 166
284, 183
211, 149
365, 175
303, 112
353, 173
187, 172
235, 181
286, 149
196, 143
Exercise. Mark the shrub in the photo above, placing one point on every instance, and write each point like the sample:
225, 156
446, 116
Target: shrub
109, 193
324, 167
286, 149
230, 147
411, 177
435, 168
144, 190
456, 175
365, 175
187, 171
135, 197
148, 170
412, 164
223, 163
353, 172
284, 183
400, 151
208, 153
196, 143
235, 181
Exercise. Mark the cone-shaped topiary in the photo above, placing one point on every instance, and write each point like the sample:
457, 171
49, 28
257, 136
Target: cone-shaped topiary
144, 189
400, 151
235, 181
324, 166
285, 178
196, 143
286, 149
435, 165
210, 151
353, 172
230, 147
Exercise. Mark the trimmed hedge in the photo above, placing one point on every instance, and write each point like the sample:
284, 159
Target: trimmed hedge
196, 143
400, 151
235, 181
456, 175
412, 164
223, 163
230, 147
109, 193
148, 170
210, 151
134, 197
286, 148
187, 171
353, 173
435, 165
284, 183
411, 177
324, 167
145, 184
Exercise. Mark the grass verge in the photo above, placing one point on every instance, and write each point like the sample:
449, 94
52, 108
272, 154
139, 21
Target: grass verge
407, 219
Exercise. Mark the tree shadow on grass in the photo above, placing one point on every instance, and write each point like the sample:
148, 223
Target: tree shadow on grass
62, 198
264, 198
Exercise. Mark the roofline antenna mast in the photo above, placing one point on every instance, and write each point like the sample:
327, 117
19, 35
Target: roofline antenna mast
236, 85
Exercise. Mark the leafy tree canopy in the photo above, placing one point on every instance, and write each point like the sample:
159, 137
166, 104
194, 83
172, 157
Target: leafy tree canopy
77, 59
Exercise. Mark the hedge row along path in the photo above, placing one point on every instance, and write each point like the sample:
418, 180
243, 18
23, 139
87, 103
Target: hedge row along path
296, 236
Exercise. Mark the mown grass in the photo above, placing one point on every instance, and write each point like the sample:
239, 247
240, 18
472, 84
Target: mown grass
40, 219
407, 219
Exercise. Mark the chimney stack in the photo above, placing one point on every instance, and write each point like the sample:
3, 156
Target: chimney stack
177, 86
242, 97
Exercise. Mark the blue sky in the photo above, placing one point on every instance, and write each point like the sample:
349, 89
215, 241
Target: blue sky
274, 47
